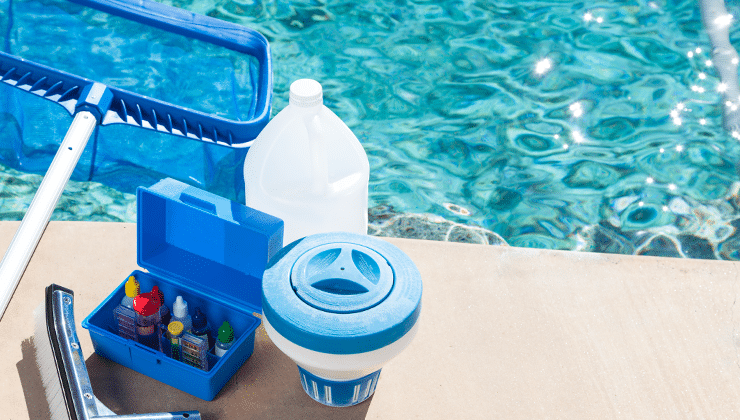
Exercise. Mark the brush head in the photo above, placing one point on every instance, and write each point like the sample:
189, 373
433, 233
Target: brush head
48, 358
67, 387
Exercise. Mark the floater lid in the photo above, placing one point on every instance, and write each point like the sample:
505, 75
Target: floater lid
341, 293
341, 278
205, 241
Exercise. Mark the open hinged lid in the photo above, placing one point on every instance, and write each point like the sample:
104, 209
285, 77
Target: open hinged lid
204, 241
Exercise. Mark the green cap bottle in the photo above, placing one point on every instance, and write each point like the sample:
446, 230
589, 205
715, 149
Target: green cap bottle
225, 339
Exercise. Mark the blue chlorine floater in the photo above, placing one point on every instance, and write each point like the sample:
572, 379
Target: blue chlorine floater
93, 104
341, 305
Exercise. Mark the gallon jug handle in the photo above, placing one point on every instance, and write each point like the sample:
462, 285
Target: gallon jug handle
317, 147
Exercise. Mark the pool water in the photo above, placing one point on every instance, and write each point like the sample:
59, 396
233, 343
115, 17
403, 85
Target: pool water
551, 124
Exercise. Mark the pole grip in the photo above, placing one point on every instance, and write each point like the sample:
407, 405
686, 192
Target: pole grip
37, 216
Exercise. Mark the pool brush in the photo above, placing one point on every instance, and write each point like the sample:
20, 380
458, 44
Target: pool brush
62, 365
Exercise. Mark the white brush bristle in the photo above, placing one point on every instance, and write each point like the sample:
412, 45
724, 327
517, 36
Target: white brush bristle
48, 368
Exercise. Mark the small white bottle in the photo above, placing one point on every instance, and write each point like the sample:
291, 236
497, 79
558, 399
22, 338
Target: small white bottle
180, 313
308, 168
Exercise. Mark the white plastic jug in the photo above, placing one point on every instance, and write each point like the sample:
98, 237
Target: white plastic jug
308, 168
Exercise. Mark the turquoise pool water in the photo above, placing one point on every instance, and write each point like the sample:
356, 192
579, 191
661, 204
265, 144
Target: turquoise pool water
553, 124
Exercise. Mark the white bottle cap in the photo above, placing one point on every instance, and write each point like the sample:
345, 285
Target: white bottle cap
180, 308
306, 93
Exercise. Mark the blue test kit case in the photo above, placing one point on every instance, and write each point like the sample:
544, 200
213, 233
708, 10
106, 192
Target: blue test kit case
212, 252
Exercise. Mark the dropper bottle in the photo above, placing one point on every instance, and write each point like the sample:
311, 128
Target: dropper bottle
124, 315
174, 331
148, 319
132, 290
164, 311
200, 326
225, 339
180, 313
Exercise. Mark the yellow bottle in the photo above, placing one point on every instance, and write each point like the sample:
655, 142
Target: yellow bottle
132, 290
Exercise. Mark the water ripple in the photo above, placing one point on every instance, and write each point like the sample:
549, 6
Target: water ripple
565, 125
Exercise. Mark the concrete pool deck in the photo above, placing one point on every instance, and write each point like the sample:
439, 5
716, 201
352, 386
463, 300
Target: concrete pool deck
505, 332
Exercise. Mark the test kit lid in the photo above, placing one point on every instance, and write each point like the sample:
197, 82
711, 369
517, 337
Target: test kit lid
341, 293
205, 241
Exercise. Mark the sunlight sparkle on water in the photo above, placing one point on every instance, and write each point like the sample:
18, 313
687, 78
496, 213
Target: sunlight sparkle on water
578, 136
543, 66
576, 109
676, 114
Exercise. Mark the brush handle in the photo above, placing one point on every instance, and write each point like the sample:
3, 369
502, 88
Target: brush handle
178, 415
39, 212
74, 392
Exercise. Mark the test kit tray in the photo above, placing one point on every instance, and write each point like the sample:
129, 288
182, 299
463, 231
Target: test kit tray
213, 253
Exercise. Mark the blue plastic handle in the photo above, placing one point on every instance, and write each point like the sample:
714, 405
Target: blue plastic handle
198, 202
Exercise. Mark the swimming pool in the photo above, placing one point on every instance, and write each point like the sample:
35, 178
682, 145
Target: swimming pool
550, 124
